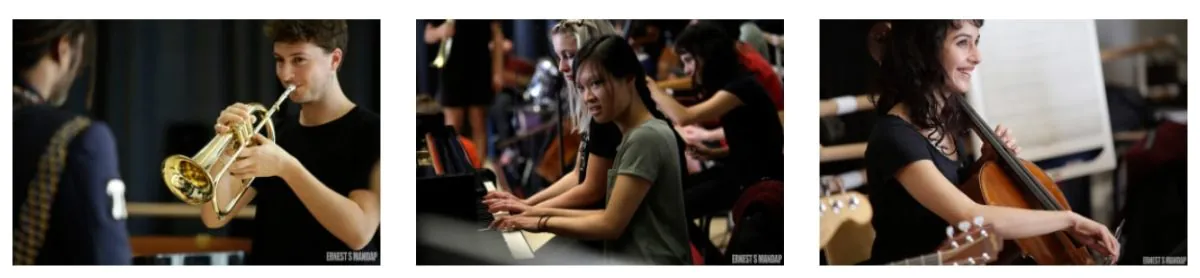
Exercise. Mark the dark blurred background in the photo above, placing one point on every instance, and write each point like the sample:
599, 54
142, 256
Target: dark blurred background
531, 40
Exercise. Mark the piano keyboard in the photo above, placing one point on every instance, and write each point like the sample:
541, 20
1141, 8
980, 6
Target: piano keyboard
516, 241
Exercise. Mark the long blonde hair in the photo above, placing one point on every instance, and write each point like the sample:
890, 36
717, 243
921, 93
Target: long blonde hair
583, 30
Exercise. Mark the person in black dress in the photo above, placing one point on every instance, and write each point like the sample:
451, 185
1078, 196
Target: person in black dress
471, 76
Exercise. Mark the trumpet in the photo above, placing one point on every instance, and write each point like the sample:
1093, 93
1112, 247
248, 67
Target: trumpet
443, 50
191, 178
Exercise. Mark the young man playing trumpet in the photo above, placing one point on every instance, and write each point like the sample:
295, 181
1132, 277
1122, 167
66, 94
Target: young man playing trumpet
317, 193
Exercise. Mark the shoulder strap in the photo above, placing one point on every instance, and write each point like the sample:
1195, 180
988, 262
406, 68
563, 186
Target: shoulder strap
30, 232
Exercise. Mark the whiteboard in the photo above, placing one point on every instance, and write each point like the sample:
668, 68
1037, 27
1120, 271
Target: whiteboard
1043, 80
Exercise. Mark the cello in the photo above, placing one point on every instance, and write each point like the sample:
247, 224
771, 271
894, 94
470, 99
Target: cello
1005, 180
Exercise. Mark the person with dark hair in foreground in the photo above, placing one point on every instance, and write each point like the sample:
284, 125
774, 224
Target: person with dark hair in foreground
68, 197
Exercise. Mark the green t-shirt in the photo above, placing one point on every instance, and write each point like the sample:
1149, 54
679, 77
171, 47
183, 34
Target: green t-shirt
657, 233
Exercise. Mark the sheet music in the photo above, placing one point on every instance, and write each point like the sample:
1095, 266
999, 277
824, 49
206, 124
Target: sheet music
1043, 80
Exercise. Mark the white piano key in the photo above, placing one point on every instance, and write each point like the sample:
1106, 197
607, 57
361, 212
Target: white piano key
517, 244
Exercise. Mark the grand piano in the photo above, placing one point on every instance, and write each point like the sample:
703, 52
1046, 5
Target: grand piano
452, 221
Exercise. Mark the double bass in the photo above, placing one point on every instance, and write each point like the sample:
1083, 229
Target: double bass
1005, 180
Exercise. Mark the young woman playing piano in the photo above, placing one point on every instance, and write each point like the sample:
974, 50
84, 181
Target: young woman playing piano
584, 187
600, 139
753, 132
912, 154
643, 220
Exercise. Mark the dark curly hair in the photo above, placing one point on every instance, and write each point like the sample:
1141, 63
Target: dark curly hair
327, 34
912, 74
33, 39
717, 54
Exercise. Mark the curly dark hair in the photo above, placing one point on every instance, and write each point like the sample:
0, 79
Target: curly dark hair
327, 34
715, 51
33, 39
912, 74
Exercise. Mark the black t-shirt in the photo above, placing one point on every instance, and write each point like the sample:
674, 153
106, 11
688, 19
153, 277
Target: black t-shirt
601, 140
753, 133
341, 154
903, 227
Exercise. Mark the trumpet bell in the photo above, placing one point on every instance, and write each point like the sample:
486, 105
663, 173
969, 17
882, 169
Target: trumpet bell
187, 179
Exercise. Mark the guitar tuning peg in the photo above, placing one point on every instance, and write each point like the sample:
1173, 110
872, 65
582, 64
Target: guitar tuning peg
986, 257
971, 261
950, 234
823, 208
854, 201
979, 224
964, 227
838, 204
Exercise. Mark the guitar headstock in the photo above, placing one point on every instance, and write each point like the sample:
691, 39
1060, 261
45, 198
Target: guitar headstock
841, 208
970, 243
846, 205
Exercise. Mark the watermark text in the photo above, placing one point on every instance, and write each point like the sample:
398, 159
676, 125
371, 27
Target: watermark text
757, 259
354, 256
1158, 260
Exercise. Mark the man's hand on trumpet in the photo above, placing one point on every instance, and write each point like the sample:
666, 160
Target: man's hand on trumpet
235, 113
263, 158
266, 159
